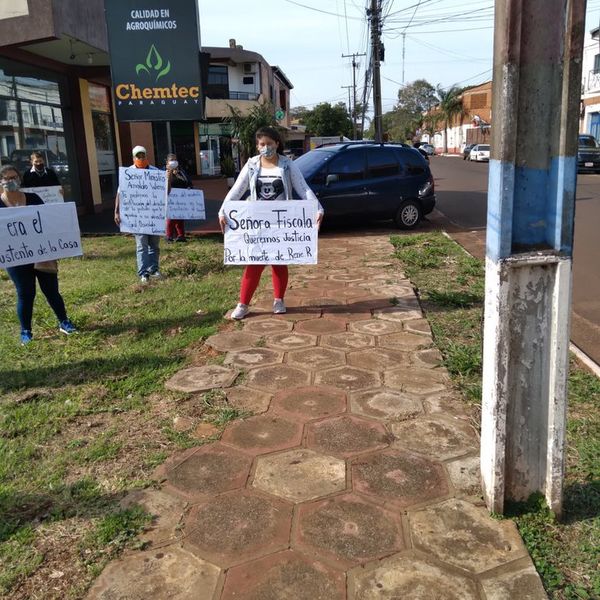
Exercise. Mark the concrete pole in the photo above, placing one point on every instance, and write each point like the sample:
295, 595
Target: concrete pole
375, 13
531, 201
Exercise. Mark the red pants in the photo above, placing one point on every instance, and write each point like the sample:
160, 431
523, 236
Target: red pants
251, 279
175, 228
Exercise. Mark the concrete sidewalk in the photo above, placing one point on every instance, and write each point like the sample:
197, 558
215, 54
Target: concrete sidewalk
357, 478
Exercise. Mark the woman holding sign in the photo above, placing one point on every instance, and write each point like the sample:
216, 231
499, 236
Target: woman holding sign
24, 276
268, 176
177, 179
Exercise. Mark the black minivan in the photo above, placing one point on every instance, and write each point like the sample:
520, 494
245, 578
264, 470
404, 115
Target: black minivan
372, 181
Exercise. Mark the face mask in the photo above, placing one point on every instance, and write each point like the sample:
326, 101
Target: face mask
267, 151
10, 186
39, 168
141, 163
173, 164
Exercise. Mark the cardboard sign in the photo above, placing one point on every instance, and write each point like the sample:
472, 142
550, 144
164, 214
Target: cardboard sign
186, 204
30, 234
50, 194
271, 233
142, 200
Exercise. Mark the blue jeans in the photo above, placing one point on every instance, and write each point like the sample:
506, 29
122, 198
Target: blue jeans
147, 252
24, 278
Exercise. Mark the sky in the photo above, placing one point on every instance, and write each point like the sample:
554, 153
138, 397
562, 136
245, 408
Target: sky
446, 42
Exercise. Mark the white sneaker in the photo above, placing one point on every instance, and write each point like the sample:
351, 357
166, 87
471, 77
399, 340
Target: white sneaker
156, 275
240, 311
144, 279
279, 307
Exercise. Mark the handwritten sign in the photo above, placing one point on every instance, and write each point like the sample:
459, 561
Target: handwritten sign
50, 194
30, 234
186, 204
142, 200
271, 233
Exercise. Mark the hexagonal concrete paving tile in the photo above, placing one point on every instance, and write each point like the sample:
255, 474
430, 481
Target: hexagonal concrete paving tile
378, 359
291, 341
418, 326
435, 437
247, 399
300, 475
348, 378
463, 535
447, 404
308, 403
409, 575
233, 340
398, 313
375, 327
267, 326
239, 526
264, 433
166, 573
199, 379
320, 326
344, 277
210, 469
417, 381
385, 403
277, 377
286, 574
253, 357
348, 529
404, 341
348, 340
316, 358
524, 584
428, 359
346, 436
465, 475
399, 478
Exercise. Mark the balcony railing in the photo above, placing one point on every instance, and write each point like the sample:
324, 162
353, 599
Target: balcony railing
592, 83
221, 95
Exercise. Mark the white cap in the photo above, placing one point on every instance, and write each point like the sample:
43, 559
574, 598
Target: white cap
138, 149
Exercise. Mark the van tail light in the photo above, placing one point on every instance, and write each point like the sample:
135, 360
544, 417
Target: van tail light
428, 188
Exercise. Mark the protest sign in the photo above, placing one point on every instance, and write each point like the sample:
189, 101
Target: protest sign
271, 233
142, 200
50, 194
30, 234
186, 204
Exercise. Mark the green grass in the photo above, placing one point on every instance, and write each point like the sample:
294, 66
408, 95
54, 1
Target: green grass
451, 288
86, 418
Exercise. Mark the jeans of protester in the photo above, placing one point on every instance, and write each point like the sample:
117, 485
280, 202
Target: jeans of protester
147, 251
24, 278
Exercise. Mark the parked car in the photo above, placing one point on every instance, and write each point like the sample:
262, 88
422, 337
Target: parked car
588, 154
480, 153
427, 148
371, 181
467, 150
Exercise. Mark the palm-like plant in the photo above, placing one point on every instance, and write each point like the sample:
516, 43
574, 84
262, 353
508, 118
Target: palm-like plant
450, 105
244, 127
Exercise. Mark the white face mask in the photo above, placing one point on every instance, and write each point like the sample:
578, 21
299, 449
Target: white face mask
173, 164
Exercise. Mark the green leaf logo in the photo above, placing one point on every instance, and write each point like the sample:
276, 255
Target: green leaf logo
154, 62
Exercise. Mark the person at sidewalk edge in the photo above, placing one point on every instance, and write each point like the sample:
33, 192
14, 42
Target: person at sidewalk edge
177, 178
39, 175
24, 276
147, 246
268, 176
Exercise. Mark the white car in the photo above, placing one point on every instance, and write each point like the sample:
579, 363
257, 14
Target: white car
480, 153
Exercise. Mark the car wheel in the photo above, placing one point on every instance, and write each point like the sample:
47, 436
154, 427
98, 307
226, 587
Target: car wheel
408, 215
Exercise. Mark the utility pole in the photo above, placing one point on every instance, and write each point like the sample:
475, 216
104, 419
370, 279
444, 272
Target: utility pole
354, 67
350, 109
403, 54
531, 206
374, 14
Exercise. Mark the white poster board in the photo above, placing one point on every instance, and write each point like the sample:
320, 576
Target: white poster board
142, 200
271, 233
30, 234
186, 204
50, 194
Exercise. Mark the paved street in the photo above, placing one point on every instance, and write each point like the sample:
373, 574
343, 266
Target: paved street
462, 198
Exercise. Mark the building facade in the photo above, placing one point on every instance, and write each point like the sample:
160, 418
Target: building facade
590, 85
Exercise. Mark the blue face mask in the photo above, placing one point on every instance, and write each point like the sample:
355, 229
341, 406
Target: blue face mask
10, 186
267, 151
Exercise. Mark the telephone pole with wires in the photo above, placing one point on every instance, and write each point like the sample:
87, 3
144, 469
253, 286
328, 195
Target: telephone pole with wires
350, 109
353, 109
374, 14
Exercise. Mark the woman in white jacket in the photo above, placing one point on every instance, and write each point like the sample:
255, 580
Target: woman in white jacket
268, 176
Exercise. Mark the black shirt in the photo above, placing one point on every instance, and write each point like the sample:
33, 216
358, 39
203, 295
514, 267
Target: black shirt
45, 178
30, 200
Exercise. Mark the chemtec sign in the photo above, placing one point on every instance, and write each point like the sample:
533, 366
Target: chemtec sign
155, 61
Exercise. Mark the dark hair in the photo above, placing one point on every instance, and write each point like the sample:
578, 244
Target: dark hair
36, 154
6, 168
171, 156
272, 133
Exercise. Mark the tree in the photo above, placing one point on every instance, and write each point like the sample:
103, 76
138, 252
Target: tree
450, 105
299, 113
417, 97
244, 127
327, 119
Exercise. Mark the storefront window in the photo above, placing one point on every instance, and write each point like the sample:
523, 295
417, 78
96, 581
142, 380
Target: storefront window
35, 116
